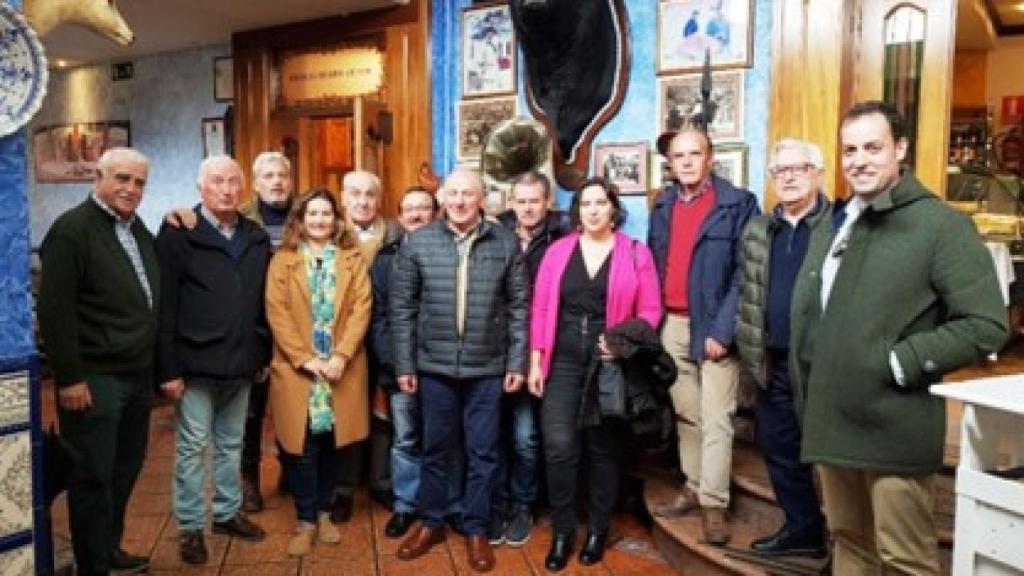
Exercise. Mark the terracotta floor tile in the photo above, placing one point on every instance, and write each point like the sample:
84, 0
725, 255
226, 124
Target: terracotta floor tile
273, 548
280, 519
154, 483
188, 571
142, 504
436, 563
141, 533
166, 557
287, 568
353, 565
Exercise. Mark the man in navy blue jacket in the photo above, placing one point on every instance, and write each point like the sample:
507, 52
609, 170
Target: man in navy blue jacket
694, 233
212, 342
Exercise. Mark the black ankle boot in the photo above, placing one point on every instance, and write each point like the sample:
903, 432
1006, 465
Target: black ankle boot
593, 548
558, 555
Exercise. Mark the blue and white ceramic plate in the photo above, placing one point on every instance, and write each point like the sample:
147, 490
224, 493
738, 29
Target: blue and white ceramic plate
23, 73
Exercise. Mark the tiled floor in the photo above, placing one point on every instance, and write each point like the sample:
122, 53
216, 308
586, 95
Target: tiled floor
364, 550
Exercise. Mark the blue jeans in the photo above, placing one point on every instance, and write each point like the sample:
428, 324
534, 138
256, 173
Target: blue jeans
518, 465
407, 457
312, 474
779, 434
472, 404
210, 409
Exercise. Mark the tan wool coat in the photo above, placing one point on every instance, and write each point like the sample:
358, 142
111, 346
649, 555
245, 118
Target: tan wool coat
290, 317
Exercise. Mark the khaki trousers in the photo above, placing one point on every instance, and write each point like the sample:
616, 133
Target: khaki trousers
704, 398
881, 523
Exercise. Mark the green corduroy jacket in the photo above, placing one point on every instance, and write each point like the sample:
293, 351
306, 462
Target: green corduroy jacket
917, 280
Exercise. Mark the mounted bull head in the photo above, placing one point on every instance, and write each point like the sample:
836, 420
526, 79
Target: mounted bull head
99, 15
577, 69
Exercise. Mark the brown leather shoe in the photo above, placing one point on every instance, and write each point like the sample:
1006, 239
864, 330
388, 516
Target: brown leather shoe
686, 502
481, 557
419, 541
716, 529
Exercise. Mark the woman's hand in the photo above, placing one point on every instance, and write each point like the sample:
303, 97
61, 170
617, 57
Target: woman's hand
316, 367
335, 367
536, 382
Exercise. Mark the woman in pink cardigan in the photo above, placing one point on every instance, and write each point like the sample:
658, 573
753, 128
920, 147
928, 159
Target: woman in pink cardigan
587, 281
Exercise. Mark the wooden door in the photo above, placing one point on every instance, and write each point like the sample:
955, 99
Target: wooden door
331, 153
905, 56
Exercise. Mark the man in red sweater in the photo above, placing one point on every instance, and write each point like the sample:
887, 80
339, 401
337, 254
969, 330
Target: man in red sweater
695, 227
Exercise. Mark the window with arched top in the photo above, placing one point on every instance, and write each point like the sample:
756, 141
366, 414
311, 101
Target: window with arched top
904, 30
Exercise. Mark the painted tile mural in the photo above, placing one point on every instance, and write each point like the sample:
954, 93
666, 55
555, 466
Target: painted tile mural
14, 399
15, 484
18, 562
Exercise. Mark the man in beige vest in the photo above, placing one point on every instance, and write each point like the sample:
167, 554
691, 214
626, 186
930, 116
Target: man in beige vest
361, 194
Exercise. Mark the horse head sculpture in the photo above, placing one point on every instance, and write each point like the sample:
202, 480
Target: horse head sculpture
577, 68
101, 16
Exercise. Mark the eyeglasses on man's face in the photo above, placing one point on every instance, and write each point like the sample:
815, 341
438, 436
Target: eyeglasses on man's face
791, 170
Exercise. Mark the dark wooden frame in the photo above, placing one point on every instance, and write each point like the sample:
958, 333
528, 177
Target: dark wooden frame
218, 70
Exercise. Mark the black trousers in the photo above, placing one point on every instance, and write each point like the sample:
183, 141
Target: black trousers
252, 441
565, 445
778, 432
108, 444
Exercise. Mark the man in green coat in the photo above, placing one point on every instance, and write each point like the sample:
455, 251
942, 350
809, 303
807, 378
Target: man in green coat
901, 293
98, 298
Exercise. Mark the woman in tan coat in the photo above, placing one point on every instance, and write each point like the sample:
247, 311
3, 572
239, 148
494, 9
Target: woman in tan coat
318, 306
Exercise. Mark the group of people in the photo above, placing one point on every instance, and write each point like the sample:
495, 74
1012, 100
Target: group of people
469, 354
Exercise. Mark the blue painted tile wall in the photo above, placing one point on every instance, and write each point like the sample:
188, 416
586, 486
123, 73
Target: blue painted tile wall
636, 121
16, 343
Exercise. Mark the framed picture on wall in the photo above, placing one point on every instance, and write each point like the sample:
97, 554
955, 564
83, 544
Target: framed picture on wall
214, 138
625, 165
69, 152
476, 118
223, 79
488, 51
660, 173
689, 28
730, 163
679, 97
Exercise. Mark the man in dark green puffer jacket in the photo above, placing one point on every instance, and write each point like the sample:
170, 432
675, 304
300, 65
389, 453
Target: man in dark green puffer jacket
772, 249
903, 292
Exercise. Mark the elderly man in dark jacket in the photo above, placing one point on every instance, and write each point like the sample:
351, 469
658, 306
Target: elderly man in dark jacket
902, 293
458, 317
695, 230
213, 340
771, 252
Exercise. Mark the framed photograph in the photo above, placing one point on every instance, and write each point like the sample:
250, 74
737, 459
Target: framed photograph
689, 28
679, 98
214, 139
660, 173
625, 165
68, 152
488, 51
730, 163
475, 119
223, 79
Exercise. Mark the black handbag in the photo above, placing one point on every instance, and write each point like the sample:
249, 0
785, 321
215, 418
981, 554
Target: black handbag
611, 390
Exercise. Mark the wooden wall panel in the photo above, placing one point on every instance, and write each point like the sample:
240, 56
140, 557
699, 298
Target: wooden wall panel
969, 68
811, 79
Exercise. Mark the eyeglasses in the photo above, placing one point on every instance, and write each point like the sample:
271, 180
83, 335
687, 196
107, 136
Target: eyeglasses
792, 170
